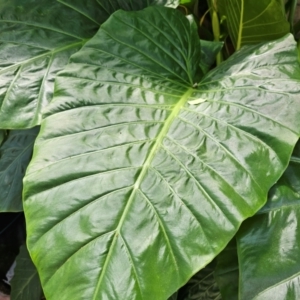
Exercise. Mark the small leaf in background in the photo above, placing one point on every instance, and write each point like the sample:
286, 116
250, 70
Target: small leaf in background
37, 39
227, 272
269, 242
15, 154
252, 24
140, 188
25, 284
209, 51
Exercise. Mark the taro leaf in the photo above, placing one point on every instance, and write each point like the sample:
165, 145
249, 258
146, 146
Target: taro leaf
269, 243
132, 188
15, 154
25, 284
36, 40
251, 22
227, 272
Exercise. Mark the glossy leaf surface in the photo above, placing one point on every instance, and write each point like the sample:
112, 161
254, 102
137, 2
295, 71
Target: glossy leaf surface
15, 154
252, 23
269, 243
132, 181
25, 284
36, 40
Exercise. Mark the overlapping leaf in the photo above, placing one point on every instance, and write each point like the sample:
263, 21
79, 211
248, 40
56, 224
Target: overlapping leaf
227, 272
36, 40
25, 283
269, 243
249, 24
15, 154
134, 188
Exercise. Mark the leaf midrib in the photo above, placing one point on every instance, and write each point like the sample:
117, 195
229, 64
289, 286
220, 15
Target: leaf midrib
139, 180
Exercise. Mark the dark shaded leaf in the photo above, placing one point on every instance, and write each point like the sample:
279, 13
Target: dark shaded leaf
15, 154
227, 272
25, 284
138, 184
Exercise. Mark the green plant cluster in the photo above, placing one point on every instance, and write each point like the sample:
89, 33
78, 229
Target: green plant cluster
164, 137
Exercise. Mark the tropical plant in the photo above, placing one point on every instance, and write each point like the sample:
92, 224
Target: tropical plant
147, 163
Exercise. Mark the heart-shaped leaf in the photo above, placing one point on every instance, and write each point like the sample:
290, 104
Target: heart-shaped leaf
269, 242
36, 40
132, 188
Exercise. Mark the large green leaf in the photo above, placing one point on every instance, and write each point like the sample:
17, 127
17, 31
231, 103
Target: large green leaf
25, 284
251, 22
37, 38
269, 243
133, 186
15, 154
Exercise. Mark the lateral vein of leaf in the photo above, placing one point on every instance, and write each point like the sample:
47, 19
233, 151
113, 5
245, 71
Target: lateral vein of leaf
30, 45
10, 87
255, 112
261, 13
173, 191
178, 62
89, 153
42, 27
104, 8
181, 200
279, 283
157, 75
133, 265
150, 106
208, 197
161, 225
211, 168
25, 284
105, 127
157, 83
42, 55
264, 34
94, 174
79, 11
263, 24
252, 137
91, 202
278, 208
295, 159
93, 239
121, 84
140, 178
145, 55
224, 149
179, 38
